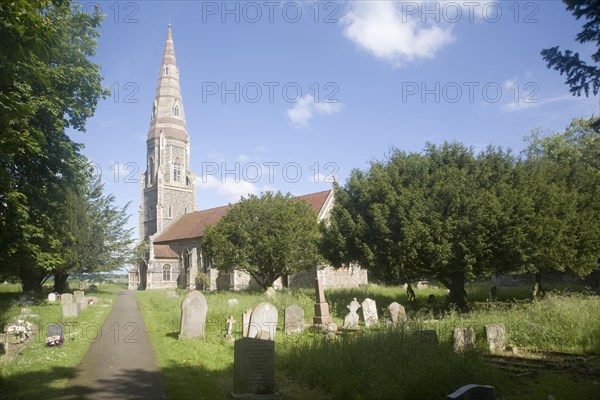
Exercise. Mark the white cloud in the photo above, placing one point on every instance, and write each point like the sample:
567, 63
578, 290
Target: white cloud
306, 108
390, 34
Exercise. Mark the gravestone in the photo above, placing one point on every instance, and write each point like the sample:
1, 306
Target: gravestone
263, 322
246, 322
427, 336
270, 292
493, 293
253, 368
230, 321
83, 303
496, 336
474, 392
293, 318
322, 316
397, 313
352, 318
93, 289
193, 316
70, 310
431, 299
370, 312
66, 298
464, 339
51, 297
410, 293
55, 330
78, 294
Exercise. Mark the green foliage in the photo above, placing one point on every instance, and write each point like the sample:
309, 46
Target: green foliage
268, 237
581, 77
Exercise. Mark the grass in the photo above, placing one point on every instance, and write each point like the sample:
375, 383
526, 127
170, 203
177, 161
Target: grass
378, 363
39, 371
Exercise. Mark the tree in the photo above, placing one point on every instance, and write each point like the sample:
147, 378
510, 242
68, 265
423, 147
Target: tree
558, 208
47, 84
581, 77
435, 214
268, 237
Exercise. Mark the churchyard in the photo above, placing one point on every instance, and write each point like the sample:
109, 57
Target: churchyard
410, 357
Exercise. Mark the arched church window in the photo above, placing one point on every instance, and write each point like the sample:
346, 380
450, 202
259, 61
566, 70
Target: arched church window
166, 273
176, 110
170, 212
151, 170
177, 171
167, 70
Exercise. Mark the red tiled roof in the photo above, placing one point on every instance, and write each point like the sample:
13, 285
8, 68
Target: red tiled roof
193, 225
164, 251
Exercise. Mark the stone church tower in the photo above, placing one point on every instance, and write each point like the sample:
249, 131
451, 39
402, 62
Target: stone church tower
168, 185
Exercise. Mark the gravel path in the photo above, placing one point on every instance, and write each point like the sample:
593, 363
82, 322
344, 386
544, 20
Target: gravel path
121, 364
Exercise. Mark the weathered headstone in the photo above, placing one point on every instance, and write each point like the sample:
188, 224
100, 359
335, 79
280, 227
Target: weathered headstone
66, 298
270, 292
193, 316
55, 330
253, 367
246, 322
93, 289
293, 318
370, 312
70, 310
431, 299
464, 339
83, 303
352, 318
230, 322
322, 316
397, 313
493, 293
263, 322
496, 336
78, 294
474, 392
51, 297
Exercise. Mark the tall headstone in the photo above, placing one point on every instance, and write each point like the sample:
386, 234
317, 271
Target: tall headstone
70, 310
66, 298
474, 392
246, 322
253, 368
496, 336
51, 297
230, 321
351, 320
464, 339
293, 319
78, 294
83, 302
193, 316
370, 312
263, 322
322, 316
397, 313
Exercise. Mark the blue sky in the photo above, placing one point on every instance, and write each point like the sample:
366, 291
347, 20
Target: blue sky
283, 95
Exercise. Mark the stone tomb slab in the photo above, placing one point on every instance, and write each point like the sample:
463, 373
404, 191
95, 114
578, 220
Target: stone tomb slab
294, 319
193, 316
397, 313
464, 339
254, 368
496, 336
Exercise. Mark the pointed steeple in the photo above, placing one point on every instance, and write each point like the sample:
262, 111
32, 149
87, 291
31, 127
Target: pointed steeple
168, 117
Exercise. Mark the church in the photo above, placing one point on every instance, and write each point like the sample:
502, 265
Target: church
168, 218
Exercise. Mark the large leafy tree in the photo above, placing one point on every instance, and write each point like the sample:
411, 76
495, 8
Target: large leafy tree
268, 237
557, 210
47, 84
435, 214
581, 76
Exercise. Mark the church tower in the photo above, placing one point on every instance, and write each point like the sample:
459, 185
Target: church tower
168, 185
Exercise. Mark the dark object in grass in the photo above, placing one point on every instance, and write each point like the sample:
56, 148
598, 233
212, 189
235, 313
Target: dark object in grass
410, 293
493, 293
474, 392
431, 299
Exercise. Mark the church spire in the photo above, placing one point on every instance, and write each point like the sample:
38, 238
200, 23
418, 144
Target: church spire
168, 117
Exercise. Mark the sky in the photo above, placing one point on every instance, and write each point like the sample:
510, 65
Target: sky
284, 95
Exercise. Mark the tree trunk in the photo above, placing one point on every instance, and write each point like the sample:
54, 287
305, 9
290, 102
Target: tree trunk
31, 280
60, 280
458, 293
538, 290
